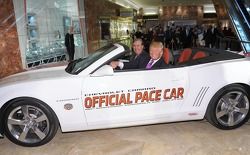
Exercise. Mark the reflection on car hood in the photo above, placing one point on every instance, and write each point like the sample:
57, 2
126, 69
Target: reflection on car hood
35, 75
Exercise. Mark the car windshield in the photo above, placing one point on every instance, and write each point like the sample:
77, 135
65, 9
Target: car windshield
78, 65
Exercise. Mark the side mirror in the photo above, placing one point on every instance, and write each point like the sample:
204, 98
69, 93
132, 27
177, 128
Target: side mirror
105, 70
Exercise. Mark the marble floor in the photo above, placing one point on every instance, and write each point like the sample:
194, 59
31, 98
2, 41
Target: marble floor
185, 138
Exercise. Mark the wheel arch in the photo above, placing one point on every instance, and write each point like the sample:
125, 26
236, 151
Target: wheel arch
8, 103
246, 86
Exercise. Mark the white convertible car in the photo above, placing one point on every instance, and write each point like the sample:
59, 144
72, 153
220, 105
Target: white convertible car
89, 95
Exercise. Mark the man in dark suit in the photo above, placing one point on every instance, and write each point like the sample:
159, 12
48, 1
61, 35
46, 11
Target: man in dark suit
168, 37
186, 37
156, 59
215, 33
69, 43
138, 60
211, 36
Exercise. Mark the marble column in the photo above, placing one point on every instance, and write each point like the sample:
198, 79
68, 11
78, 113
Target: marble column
10, 57
94, 10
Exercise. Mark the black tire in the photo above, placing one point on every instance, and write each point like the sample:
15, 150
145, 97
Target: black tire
37, 126
226, 105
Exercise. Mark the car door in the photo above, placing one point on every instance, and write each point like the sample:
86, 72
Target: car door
134, 97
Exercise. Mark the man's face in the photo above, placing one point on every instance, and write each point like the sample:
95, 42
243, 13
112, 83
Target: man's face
155, 53
137, 47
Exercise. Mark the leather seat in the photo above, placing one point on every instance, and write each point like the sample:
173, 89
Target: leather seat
199, 55
185, 55
166, 55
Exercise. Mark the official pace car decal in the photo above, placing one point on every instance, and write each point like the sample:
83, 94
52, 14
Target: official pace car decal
131, 97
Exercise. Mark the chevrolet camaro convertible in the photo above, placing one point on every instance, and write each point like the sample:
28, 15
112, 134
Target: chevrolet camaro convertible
88, 94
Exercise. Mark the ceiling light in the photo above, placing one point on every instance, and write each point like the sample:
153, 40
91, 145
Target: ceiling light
136, 6
209, 8
123, 5
150, 13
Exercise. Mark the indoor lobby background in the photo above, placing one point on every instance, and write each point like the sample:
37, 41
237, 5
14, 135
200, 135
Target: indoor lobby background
32, 32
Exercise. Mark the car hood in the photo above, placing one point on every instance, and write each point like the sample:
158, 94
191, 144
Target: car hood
36, 75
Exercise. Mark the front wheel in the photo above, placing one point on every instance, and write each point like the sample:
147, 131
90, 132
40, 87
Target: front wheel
229, 108
30, 122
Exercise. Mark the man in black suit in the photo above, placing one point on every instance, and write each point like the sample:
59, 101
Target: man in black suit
168, 37
211, 36
138, 60
186, 37
156, 60
69, 43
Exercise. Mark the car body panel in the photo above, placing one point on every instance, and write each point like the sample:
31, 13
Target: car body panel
136, 87
207, 79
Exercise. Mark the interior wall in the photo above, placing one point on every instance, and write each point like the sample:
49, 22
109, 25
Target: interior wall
10, 57
94, 9
190, 12
223, 18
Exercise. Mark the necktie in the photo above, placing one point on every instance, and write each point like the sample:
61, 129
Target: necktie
150, 64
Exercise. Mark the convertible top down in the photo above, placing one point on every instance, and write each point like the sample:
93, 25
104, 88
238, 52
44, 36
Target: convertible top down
88, 94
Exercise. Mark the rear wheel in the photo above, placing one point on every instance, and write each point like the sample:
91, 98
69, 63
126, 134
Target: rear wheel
229, 108
30, 122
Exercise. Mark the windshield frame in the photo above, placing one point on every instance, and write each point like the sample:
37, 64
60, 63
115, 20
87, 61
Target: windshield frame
77, 66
